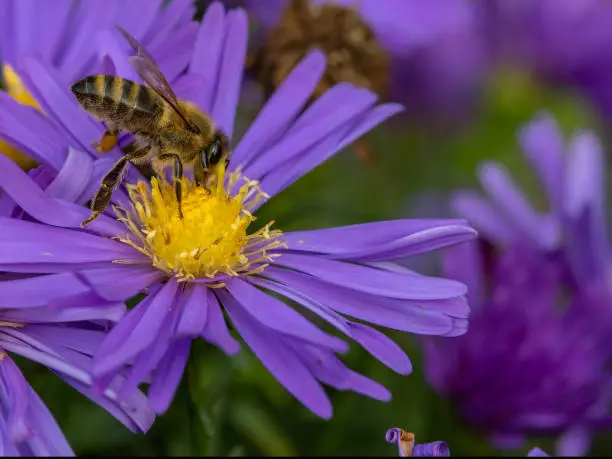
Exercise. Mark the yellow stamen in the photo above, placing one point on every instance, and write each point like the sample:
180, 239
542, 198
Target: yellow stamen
16, 89
211, 239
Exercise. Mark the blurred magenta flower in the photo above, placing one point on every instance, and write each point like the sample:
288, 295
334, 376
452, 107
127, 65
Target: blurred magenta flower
407, 447
193, 270
531, 363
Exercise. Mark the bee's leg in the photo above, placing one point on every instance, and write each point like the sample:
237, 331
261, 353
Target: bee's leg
144, 168
178, 176
107, 142
109, 183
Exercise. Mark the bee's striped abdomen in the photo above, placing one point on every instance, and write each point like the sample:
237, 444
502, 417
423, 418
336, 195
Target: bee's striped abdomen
114, 98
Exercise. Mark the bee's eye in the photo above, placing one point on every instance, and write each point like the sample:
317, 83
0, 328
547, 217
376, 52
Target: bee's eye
214, 153
204, 158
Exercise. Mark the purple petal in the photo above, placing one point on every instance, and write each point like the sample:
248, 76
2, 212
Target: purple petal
280, 317
215, 330
75, 347
297, 144
59, 104
38, 291
79, 53
29, 422
284, 365
435, 449
542, 142
73, 177
175, 52
584, 206
463, 263
28, 195
574, 442
382, 347
284, 105
168, 375
66, 313
328, 369
422, 242
489, 222
374, 281
499, 185
112, 45
15, 397
149, 358
368, 121
137, 16
230, 71
49, 439
349, 238
27, 129
142, 324
280, 178
402, 315
188, 86
537, 452
194, 312
121, 282
26, 242
207, 53
133, 412
174, 14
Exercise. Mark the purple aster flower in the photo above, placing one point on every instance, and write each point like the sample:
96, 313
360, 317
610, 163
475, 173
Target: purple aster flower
531, 363
210, 263
407, 447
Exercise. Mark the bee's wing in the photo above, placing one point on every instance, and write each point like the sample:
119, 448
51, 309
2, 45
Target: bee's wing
150, 73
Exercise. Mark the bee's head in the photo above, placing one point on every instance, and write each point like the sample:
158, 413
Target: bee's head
215, 150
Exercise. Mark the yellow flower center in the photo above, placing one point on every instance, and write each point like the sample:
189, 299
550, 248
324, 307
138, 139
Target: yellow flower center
16, 89
211, 240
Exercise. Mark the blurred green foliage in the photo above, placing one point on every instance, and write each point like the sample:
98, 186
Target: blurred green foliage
232, 406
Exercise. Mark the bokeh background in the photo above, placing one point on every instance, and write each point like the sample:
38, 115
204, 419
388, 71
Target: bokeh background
232, 406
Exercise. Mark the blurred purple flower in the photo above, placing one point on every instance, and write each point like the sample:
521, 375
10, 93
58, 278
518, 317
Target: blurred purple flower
531, 362
66, 33
407, 448
572, 178
434, 47
329, 272
534, 35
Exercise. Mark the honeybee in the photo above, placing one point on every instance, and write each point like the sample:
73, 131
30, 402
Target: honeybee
353, 53
167, 130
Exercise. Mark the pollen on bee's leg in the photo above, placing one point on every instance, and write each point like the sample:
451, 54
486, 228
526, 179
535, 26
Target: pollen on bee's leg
107, 142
